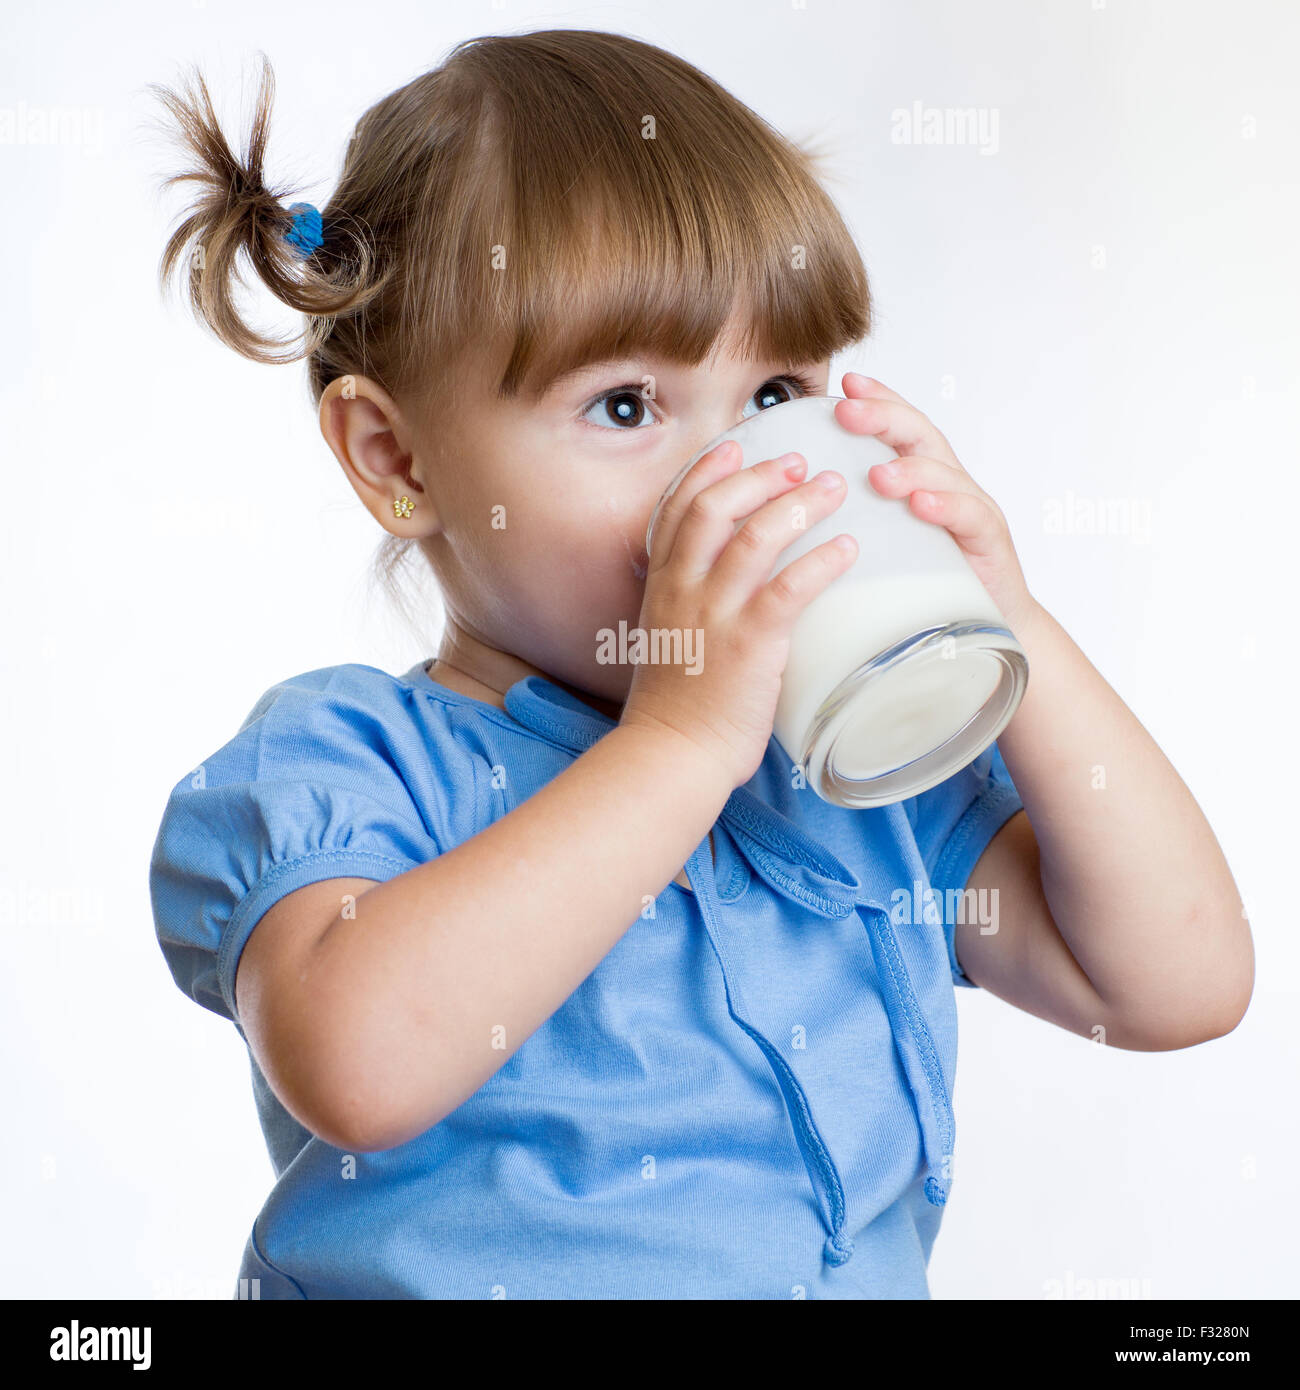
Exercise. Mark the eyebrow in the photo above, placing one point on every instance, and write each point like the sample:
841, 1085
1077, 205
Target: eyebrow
588, 369
610, 364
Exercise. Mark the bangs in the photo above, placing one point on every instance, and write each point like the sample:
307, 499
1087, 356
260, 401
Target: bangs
592, 228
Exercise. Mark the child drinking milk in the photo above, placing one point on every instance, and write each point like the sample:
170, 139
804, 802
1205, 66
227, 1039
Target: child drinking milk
556, 979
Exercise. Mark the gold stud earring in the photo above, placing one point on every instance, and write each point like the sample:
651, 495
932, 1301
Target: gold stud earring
403, 507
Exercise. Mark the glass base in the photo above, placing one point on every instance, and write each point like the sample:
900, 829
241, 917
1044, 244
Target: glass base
914, 714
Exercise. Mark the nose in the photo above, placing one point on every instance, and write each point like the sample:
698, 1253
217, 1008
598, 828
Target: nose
707, 430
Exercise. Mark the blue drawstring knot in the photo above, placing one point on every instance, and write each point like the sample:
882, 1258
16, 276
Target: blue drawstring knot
935, 1192
838, 1249
306, 234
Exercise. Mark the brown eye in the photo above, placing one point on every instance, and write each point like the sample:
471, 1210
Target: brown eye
776, 392
773, 393
622, 408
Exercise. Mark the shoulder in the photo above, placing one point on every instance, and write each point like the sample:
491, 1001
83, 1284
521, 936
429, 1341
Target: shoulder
348, 692
328, 751
351, 717
955, 819
357, 730
343, 771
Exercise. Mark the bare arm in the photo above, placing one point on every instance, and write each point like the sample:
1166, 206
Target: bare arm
1116, 907
1118, 910
373, 1026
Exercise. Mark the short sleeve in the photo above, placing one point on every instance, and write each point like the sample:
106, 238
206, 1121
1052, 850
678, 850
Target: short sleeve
953, 823
323, 780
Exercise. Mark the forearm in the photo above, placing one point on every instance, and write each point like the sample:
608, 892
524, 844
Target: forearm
444, 971
1137, 884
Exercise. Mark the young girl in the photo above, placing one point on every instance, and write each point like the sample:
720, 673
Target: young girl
556, 980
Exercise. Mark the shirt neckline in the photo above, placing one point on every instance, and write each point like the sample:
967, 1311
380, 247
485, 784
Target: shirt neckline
534, 701
551, 713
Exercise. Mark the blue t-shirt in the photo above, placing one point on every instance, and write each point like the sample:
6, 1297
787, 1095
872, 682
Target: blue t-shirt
750, 1096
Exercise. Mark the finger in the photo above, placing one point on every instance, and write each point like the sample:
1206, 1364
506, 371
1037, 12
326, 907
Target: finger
748, 558
971, 521
726, 458
904, 475
857, 385
709, 521
780, 601
896, 423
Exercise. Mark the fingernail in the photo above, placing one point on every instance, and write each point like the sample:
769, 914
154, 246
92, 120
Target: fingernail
794, 465
829, 481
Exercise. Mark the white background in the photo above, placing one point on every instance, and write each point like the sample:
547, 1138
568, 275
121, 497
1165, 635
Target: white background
178, 538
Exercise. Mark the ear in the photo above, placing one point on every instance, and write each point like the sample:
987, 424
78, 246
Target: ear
368, 435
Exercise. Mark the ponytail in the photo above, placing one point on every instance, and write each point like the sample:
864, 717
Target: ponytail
234, 212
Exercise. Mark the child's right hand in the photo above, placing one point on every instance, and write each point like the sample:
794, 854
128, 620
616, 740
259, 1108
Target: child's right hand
706, 575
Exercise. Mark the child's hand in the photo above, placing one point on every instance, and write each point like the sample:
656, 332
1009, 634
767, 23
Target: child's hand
938, 488
706, 576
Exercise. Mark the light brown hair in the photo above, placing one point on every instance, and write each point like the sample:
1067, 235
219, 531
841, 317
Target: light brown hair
564, 195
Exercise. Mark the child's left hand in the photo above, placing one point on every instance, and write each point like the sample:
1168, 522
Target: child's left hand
938, 489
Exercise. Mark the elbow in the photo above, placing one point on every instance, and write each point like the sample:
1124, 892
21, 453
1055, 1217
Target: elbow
1190, 1030
341, 1123
354, 1091
1229, 1021
357, 1129
1234, 985
355, 1119
1236, 989
1194, 1036
353, 1082
1212, 1011
364, 1111
327, 1093
364, 1140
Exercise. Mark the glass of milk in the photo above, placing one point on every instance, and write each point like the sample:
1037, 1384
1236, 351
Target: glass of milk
902, 670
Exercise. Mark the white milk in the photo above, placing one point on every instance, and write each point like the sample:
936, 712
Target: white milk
920, 715
917, 706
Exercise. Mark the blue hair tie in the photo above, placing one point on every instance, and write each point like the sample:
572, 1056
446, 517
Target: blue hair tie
306, 233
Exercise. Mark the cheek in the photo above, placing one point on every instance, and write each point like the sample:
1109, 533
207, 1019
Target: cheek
605, 540
594, 552
628, 526
601, 546
622, 540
